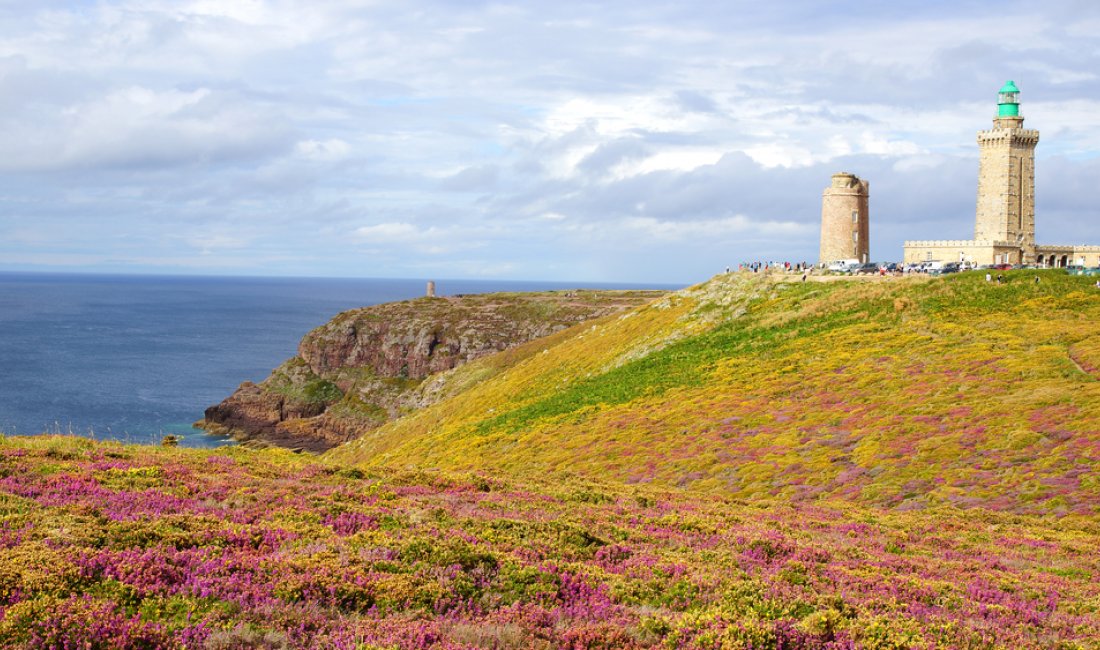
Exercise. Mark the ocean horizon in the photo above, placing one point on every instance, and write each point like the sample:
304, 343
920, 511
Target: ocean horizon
137, 357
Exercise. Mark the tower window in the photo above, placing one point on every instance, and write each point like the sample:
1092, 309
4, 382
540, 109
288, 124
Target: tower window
855, 216
855, 237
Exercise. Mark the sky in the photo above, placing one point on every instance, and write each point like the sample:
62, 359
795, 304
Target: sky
650, 142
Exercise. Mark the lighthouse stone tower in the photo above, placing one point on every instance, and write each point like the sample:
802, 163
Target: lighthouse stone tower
1004, 223
845, 220
1006, 178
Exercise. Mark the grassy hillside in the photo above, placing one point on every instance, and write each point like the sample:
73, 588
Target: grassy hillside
899, 393
127, 547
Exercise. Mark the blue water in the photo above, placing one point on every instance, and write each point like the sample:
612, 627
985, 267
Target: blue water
134, 358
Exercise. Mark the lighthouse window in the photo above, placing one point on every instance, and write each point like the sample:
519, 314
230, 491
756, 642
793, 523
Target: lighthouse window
855, 237
855, 216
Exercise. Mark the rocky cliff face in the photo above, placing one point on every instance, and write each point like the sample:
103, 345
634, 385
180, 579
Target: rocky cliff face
366, 366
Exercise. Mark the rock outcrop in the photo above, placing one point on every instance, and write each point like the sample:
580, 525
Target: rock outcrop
367, 366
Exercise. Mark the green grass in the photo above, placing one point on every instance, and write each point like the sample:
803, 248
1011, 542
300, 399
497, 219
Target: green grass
899, 392
682, 364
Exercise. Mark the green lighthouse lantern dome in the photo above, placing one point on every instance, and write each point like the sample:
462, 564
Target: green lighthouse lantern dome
1009, 100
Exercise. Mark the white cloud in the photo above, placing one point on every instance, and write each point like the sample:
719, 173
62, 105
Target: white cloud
720, 228
875, 144
331, 150
676, 160
137, 125
391, 232
780, 154
622, 115
252, 12
209, 244
411, 240
509, 137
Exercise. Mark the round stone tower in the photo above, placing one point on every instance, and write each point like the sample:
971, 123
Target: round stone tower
845, 220
1006, 178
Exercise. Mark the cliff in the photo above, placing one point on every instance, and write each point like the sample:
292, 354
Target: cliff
370, 365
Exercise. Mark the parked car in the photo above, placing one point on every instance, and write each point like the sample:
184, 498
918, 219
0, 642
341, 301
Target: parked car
868, 268
950, 267
841, 266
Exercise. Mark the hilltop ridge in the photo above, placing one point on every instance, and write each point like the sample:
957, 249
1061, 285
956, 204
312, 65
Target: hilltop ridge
897, 393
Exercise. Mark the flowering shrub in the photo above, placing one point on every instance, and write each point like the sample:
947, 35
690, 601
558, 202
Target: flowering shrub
905, 394
111, 546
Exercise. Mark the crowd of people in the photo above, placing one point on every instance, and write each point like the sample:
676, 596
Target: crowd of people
807, 269
786, 267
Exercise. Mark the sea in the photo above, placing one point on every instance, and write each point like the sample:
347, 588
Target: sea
135, 358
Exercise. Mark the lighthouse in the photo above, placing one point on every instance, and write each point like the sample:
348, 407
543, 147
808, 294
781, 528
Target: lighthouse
1006, 178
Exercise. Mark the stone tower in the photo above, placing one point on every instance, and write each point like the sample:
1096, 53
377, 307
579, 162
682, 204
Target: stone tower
845, 220
1006, 178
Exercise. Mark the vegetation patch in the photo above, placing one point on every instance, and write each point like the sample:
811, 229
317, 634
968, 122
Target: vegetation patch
898, 393
154, 547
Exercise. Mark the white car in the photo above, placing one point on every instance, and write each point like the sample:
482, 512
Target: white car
842, 266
